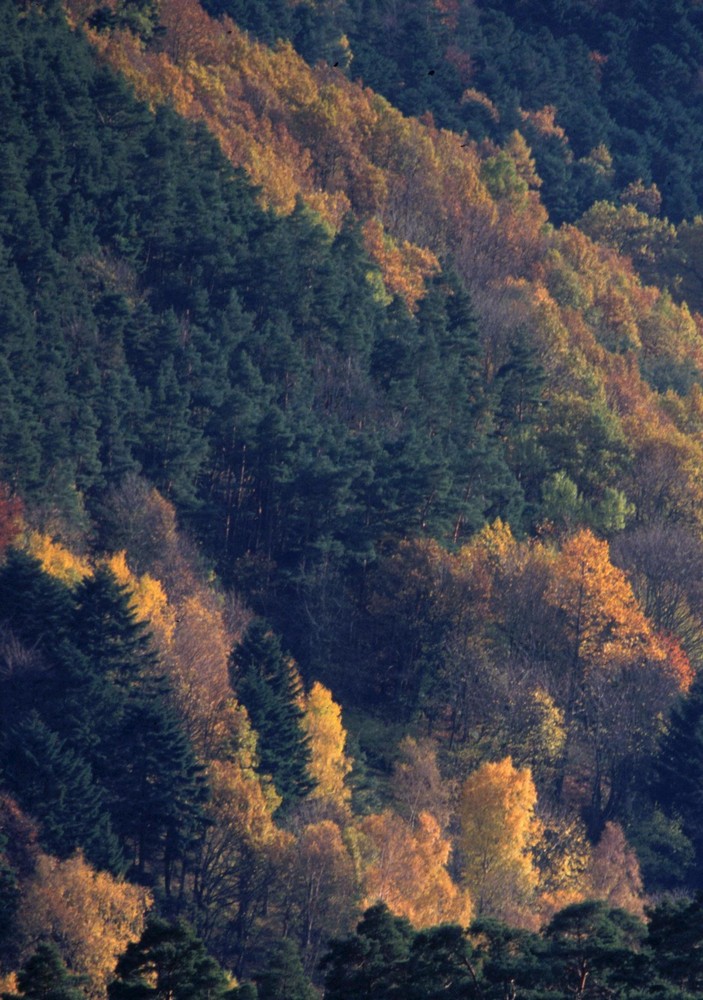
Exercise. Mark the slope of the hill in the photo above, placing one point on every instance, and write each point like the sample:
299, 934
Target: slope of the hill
453, 453
565, 313
608, 94
252, 367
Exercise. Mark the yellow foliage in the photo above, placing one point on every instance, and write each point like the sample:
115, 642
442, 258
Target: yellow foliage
321, 886
148, 598
90, 915
499, 831
563, 856
544, 731
407, 870
57, 560
240, 802
198, 672
242, 851
329, 765
418, 786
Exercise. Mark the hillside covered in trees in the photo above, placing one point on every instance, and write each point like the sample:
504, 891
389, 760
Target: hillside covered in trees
351, 500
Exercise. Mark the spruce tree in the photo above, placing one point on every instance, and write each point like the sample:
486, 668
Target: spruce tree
34, 606
266, 682
157, 791
56, 786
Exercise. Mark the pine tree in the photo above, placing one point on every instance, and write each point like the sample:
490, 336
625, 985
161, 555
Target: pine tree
372, 961
284, 977
167, 963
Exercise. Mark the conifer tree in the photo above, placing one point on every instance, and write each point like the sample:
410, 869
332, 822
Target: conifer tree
44, 977
679, 770
33, 605
284, 977
267, 684
167, 963
56, 786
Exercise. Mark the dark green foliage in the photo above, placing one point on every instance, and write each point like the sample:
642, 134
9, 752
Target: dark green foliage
284, 977
370, 962
107, 631
587, 950
506, 956
441, 964
56, 786
157, 790
158, 321
679, 769
675, 937
167, 963
90, 744
44, 977
35, 606
9, 901
264, 680
590, 941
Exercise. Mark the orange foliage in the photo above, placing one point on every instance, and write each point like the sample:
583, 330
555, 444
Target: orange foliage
321, 886
678, 664
614, 873
298, 130
405, 267
544, 122
406, 869
602, 619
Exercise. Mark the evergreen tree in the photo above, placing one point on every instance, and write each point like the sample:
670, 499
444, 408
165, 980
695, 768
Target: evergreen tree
56, 786
167, 963
157, 790
675, 937
372, 961
284, 977
593, 943
9, 901
679, 770
44, 977
33, 605
107, 631
266, 682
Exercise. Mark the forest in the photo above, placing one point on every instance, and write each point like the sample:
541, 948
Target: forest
351, 500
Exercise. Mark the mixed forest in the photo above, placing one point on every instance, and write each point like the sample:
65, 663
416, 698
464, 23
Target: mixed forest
351, 499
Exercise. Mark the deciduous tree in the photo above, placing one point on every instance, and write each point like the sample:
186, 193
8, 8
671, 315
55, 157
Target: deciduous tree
499, 831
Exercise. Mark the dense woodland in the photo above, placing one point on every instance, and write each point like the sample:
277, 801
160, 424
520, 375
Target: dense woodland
351, 499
